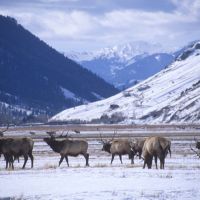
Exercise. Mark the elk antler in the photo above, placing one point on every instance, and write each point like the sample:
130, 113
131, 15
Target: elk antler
196, 152
32, 132
1, 132
64, 136
51, 133
115, 132
76, 131
101, 138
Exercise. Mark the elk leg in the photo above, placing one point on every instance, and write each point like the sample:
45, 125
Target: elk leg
6, 159
25, 161
132, 158
149, 162
162, 162
31, 157
11, 162
16, 158
113, 156
61, 159
87, 159
156, 162
144, 164
120, 157
140, 154
66, 158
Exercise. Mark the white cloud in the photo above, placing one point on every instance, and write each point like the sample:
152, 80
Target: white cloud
81, 29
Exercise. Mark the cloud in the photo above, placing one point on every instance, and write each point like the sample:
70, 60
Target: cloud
70, 28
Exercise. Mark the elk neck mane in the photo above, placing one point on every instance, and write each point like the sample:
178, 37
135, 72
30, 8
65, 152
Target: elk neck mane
56, 145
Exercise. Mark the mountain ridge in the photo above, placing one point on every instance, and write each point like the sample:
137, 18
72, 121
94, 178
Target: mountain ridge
121, 65
170, 96
36, 76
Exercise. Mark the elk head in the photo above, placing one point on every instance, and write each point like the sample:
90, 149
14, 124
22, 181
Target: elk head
1, 132
197, 143
107, 144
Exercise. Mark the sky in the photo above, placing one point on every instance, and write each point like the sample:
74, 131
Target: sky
88, 25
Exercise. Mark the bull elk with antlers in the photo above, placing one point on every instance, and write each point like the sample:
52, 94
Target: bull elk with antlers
118, 147
67, 147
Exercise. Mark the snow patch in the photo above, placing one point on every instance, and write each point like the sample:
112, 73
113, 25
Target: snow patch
68, 94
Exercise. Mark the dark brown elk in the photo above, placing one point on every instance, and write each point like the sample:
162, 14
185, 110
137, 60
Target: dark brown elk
156, 147
118, 147
11, 159
197, 152
67, 147
16, 147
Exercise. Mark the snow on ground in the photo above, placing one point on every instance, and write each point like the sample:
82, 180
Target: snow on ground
179, 180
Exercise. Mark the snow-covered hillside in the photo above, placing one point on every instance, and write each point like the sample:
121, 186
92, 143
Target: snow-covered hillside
170, 96
124, 65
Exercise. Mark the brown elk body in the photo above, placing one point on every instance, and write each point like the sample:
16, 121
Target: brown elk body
156, 147
119, 147
68, 147
16, 147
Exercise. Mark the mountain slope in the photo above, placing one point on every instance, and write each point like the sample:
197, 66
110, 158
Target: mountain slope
36, 76
170, 96
122, 65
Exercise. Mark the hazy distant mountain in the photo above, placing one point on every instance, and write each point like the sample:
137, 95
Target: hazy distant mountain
35, 76
170, 96
125, 65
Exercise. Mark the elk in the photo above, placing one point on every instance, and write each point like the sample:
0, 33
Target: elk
197, 152
156, 147
197, 143
67, 147
137, 146
118, 147
2, 135
2, 132
15, 147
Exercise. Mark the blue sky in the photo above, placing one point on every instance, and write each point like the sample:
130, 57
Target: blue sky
86, 25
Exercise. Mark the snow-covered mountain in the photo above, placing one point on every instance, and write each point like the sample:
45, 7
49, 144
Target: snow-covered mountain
170, 96
127, 64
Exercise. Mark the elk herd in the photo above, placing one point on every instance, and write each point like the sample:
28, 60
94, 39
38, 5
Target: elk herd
153, 147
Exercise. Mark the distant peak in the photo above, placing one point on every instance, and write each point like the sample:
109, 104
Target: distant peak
122, 52
192, 49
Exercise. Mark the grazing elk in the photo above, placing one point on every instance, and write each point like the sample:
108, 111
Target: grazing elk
156, 147
118, 147
67, 147
16, 147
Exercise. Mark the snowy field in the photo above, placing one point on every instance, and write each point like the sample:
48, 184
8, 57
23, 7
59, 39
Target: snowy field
179, 180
